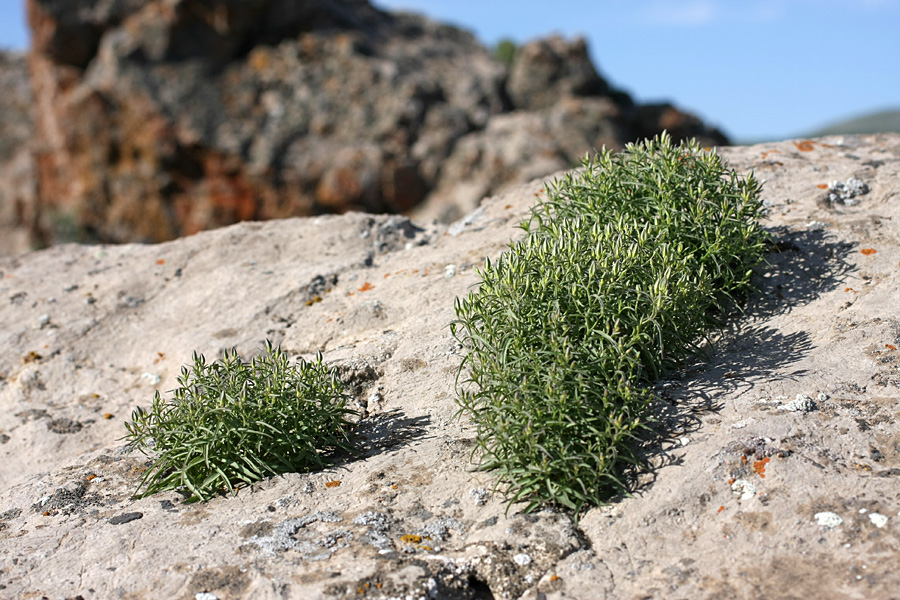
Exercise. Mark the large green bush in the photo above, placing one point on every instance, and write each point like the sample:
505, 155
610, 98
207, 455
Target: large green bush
625, 264
232, 423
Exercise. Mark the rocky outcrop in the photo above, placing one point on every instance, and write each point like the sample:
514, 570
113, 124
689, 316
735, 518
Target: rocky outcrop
17, 193
766, 460
159, 118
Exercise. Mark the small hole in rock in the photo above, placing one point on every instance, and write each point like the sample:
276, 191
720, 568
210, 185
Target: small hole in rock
480, 589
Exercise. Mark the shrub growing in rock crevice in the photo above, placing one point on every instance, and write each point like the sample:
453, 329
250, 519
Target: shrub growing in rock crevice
625, 265
233, 423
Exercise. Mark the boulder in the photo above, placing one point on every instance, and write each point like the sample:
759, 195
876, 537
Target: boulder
772, 465
545, 70
160, 118
166, 118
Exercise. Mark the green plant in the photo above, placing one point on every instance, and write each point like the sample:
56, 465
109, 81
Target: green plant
505, 51
232, 423
624, 266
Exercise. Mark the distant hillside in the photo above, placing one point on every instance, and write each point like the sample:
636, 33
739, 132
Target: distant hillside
885, 121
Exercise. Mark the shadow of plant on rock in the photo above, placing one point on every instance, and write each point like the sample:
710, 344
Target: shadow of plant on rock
389, 430
801, 266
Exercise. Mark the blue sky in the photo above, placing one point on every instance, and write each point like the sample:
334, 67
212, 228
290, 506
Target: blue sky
756, 68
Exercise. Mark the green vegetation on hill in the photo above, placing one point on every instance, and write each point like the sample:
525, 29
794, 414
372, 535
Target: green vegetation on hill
625, 265
885, 121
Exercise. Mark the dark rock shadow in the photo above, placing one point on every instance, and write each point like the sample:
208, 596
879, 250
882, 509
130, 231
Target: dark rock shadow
801, 266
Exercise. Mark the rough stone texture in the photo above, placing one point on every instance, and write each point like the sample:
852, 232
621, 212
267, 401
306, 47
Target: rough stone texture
735, 505
160, 118
543, 71
520, 146
17, 193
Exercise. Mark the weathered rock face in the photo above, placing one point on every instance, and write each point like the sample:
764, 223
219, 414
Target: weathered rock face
17, 197
751, 492
160, 118
545, 70
165, 118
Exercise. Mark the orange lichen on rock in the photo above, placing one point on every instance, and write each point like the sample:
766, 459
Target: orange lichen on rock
822, 186
333, 484
760, 467
804, 146
366, 287
868, 251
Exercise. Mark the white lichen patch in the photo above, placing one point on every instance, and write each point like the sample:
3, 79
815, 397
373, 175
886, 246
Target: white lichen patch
878, 520
799, 404
151, 378
480, 496
743, 489
828, 520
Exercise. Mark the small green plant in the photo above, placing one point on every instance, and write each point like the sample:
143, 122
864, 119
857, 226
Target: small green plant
232, 423
624, 267
505, 51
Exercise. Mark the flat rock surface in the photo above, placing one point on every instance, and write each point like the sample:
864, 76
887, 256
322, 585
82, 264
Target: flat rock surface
775, 476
